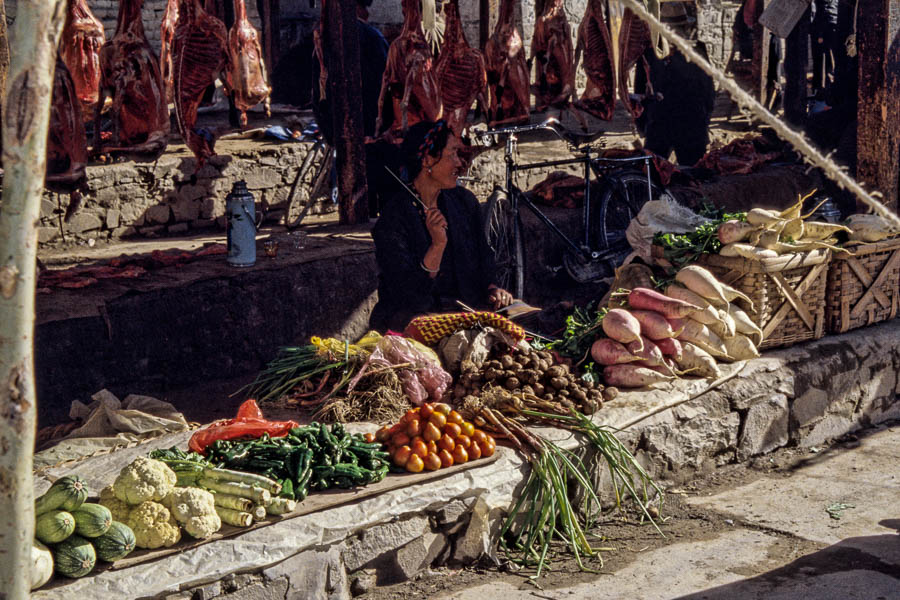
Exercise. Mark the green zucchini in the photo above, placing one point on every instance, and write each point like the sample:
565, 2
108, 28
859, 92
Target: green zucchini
74, 557
54, 526
66, 493
92, 520
116, 543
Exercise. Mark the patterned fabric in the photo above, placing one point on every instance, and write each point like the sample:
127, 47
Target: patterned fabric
430, 329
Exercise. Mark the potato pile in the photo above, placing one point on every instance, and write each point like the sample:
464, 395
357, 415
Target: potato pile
534, 372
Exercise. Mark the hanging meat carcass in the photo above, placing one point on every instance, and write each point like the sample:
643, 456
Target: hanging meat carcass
166, 37
129, 72
67, 154
460, 71
409, 89
507, 71
199, 57
82, 38
634, 40
245, 79
553, 57
599, 96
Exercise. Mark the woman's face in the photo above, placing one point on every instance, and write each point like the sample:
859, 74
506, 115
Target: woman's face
445, 170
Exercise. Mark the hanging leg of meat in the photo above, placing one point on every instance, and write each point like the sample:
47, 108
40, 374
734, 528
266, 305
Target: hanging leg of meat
129, 72
460, 71
507, 71
246, 78
409, 89
199, 57
166, 37
634, 39
553, 57
67, 154
594, 44
82, 38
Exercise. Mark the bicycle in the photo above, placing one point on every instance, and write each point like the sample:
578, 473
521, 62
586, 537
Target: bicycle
313, 179
624, 190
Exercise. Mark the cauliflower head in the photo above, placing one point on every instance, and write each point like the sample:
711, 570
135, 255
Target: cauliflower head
144, 479
153, 526
195, 510
119, 509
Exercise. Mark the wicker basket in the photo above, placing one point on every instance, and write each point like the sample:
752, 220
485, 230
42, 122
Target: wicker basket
864, 288
788, 292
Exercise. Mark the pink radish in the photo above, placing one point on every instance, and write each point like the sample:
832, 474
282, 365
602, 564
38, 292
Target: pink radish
620, 325
631, 376
707, 313
654, 325
649, 352
647, 299
670, 347
610, 352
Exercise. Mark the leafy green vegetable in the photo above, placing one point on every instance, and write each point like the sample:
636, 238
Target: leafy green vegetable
683, 248
582, 328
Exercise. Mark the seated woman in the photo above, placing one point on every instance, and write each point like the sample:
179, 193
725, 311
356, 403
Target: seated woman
429, 243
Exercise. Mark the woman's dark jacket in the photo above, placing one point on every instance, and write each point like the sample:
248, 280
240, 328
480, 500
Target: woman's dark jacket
405, 289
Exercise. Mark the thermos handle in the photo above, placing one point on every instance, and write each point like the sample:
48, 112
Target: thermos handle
257, 222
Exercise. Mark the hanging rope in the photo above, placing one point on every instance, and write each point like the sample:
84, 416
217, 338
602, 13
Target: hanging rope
813, 156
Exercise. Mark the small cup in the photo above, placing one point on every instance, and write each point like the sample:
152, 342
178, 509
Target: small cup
271, 248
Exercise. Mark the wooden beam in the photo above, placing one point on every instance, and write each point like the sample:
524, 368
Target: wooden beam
341, 38
878, 107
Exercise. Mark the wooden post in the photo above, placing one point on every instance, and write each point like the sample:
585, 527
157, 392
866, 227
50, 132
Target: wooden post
25, 121
878, 108
345, 92
484, 22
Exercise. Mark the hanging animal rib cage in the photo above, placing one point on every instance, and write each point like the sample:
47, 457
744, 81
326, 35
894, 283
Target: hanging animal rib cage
863, 288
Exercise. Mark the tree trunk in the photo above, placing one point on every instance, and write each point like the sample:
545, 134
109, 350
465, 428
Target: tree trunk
29, 85
4, 62
345, 91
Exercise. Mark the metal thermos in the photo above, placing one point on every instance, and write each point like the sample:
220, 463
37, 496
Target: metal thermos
240, 213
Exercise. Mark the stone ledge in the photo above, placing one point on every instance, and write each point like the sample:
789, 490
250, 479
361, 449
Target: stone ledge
406, 531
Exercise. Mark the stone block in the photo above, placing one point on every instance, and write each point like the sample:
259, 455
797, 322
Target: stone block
221, 222
810, 407
765, 427
207, 592
113, 216
451, 512
416, 556
261, 178
186, 209
84, 221
381, 540
123, 232
151, 231
313, 575
158, 213
203, 223
48, 208
126, 174
178, 228
272, 590
209, 171
269, 161
47, 234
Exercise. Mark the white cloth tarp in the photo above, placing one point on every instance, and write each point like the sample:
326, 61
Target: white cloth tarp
664, 215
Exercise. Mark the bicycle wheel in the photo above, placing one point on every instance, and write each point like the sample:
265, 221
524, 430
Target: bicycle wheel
309, 185
620, 200
502, 230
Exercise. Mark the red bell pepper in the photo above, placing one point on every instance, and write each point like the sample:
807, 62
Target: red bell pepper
248, 424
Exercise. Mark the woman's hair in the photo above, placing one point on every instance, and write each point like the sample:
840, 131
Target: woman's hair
425, 138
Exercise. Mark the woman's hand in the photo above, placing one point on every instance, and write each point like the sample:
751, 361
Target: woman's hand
498, 297
437, 226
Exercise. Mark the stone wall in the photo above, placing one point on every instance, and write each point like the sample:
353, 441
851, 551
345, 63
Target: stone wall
169, 196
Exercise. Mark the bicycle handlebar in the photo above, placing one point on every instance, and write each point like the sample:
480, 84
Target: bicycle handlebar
550, 124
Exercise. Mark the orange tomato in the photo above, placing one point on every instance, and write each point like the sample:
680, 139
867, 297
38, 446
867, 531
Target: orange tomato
446, 458
419, 447
442, 408
414, 464
460, 455
455, 417
400, 439
396, 428
413, 427
478, 436
432, 461
370, 437
452, 429
425, 411
439, 419
467, 428
488, 448
463, 440
432, 447
412, 413
383, 434
431, 433
474, 451
446, 442
401, 455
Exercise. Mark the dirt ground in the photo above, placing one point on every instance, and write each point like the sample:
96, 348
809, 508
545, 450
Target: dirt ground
680, 523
